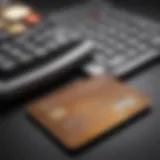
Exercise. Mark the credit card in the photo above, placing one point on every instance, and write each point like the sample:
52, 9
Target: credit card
86, 109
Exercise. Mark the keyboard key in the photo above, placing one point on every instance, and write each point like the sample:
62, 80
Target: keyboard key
143, 22
40, 51
16, 53
123, 26
143, 35
35, 50
132, 52
123, 35
120, 46
133, 30
117, 60
111, 41
61, 38
6, 64
112, 30
142, 47
22, 56
156, 40
40, 36
109, 51
133, 41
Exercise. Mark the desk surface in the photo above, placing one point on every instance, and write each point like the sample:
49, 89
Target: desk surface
21, 139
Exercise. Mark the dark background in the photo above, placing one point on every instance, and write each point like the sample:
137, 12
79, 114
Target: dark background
20, 138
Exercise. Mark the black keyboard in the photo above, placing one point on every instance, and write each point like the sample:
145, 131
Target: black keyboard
35, 48
124, 41
120, 42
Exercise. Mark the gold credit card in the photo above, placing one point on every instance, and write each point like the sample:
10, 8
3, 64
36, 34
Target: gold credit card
80, 112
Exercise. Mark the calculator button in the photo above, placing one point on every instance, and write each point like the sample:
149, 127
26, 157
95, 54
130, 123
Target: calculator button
133, 41
123, 35
111, 41
40, 51
156, 40
142, 47
30, 47
109, 51
16, 53
21, 56
52, 46
112, 30
143, 35
6, 64
120, 46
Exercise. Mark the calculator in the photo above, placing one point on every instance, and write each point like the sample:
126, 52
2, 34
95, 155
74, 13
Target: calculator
33, 49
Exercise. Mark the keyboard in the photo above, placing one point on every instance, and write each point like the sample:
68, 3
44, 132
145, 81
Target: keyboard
124, 41
38, 47
34, 49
